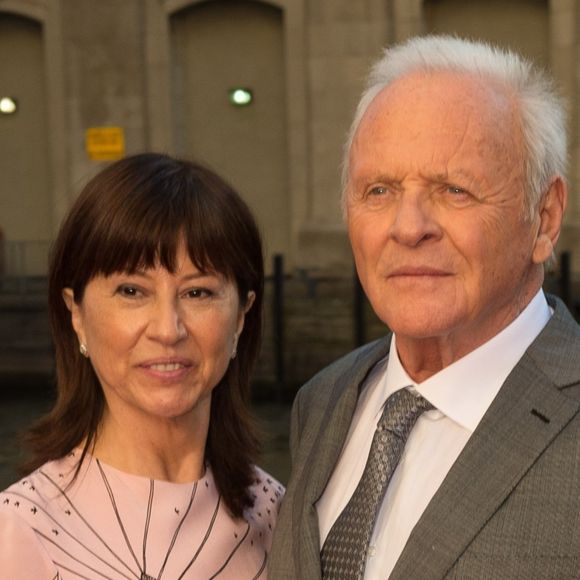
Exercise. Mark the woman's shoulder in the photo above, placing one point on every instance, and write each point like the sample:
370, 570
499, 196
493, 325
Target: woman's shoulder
22, 511
267, 484
34, 499
21, 553
267, 493
48, 479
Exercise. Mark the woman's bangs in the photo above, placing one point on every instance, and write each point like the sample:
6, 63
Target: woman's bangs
156, 244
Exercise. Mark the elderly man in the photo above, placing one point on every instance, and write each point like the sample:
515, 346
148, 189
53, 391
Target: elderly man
450, 449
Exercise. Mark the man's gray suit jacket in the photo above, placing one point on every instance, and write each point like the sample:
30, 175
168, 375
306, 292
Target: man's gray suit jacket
509, 507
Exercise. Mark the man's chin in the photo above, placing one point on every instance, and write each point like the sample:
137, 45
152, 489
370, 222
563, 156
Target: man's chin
423, 321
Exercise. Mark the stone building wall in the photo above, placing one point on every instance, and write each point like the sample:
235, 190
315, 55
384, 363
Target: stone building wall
114, 63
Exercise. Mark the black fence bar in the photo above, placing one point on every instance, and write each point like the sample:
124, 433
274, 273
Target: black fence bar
278, 317
359, 312
565, 279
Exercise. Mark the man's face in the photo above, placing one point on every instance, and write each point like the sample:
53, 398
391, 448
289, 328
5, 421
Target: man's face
435, 210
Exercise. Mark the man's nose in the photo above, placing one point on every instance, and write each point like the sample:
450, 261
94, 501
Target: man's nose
166, 323
414, 221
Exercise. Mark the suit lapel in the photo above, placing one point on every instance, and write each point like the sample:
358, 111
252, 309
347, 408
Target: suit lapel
324, 456
526, 416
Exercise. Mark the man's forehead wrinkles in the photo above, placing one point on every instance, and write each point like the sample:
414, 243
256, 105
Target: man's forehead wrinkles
365, 170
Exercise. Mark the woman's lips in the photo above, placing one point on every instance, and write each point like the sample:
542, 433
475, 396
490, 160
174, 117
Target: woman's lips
167, 367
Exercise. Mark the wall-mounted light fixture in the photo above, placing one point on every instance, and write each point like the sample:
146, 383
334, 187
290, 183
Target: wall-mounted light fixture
8, 106
241, 97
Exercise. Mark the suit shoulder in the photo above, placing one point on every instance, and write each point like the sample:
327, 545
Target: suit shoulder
556, 350
325, 380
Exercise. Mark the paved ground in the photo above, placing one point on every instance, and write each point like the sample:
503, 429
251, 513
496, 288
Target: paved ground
18, 411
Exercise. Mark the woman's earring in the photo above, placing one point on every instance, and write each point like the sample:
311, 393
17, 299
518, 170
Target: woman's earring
235, 350
83, 349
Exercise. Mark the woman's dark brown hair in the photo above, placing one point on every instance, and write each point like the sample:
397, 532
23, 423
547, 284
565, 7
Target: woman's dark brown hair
130, 216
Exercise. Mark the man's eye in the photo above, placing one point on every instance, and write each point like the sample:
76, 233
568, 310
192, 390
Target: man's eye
378, 190
456, 190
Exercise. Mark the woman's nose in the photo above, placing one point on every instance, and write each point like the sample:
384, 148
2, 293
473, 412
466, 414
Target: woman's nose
166, 324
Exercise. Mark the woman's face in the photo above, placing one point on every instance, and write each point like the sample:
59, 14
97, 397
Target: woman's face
159, 342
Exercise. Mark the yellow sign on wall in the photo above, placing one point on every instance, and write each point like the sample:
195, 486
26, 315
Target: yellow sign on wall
105, 143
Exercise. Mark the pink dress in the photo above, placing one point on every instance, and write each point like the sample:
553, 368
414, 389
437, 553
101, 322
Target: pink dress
112, 525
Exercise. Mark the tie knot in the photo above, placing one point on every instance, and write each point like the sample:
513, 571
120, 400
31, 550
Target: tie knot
401, 411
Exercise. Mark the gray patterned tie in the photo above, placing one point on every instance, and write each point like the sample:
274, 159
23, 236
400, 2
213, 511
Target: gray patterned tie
344, 552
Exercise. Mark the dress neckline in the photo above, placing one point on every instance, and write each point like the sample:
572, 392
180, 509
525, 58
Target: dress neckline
90, 459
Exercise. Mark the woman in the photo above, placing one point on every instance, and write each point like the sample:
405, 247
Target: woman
144, 467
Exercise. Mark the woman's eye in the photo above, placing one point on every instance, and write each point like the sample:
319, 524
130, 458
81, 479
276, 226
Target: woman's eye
198, 293
128, 291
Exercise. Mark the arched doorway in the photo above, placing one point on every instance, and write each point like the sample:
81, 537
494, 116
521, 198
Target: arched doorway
218, 46
25, 186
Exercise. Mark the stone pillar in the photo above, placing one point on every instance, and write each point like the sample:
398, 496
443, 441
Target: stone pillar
105, 76
343, 39
564, 53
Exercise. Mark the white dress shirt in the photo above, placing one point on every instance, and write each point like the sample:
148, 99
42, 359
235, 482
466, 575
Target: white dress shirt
461, 394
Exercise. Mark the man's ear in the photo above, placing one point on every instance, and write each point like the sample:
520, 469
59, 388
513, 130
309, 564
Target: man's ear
76, 315
551, 213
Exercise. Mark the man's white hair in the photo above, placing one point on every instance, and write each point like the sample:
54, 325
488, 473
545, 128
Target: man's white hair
542, 113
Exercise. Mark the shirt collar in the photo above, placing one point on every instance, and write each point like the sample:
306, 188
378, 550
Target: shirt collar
464, 390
